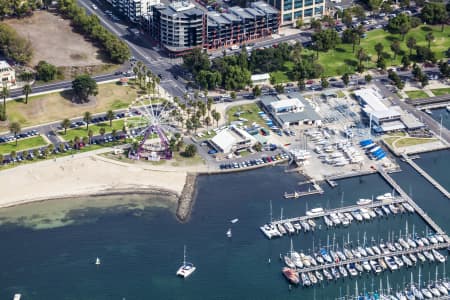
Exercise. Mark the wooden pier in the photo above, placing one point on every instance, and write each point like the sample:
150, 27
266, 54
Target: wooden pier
377, 256
317, 190
419, 210
342, 210
426, 175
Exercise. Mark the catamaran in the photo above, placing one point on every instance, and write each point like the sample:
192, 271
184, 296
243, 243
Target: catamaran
186, 268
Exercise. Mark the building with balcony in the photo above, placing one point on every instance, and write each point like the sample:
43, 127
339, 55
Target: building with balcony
178, 27
133, 10
291, 10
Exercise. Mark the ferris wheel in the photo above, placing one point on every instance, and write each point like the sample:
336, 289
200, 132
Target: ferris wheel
147, 121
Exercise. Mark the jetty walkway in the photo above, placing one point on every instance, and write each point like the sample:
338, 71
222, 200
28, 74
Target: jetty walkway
426, 175
418, 209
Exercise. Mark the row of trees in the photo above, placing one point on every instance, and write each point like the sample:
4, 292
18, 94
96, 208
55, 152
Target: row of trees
116, 49
14, 46
20, 8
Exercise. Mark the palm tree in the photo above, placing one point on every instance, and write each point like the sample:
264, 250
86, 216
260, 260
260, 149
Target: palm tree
216, 117
396, 48
110, 116
14, 128
361, 55
5, 93
13, 155
135, 72
65, 124
102, 131
26, 90
90, 135
411, 43
87, 117
429, 37
1, 159
379, 49
76, 142
85, 140
114, 134
50, 148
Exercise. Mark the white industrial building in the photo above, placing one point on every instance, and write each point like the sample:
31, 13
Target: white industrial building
232, 139
382, 117
7, 74
260, 79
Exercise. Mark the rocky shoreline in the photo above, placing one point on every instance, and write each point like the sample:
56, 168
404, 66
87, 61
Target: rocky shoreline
187, 198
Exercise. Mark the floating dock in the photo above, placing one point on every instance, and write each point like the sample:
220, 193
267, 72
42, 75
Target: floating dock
317, 190
425, 175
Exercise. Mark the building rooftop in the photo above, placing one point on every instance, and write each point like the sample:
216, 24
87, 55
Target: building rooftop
290, 102
179, 9
224, 140
411, 122
4, 64
217, 18
258, 77
231, 17
263, 6
392, 126
308, 112
240, 12
371, 99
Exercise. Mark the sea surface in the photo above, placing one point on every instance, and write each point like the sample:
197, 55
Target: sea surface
48, 249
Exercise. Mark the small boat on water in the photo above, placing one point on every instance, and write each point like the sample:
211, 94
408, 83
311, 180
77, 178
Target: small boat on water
398, 261
384, 197
327, 221
382, 263
370, 251
421, 257
428, 111
358, 267
229, 234
352, 269
305, 225
327, 274
318, 275
234, 221
326, 256
362, 251
335, 273
411, 243
379, 211
289, 227
413, 258
348, 216
386, 210
296, 259
428, 255
305, 279
364, 201
315, 212
97, 261
426, 293
366, 266
186, 268
291, 275
447, 108
375, 266
407, 261
343, 271
297, 226
365, 214
281, 229
288, 262
312, 278
408, 207
357, 215
439, 257
393, 209
17, 296
404, 243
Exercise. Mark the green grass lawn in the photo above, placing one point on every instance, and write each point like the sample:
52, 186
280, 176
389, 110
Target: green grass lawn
342, 60
247, 111
22, 144
405, 142
82, 131
440, 92
416, 94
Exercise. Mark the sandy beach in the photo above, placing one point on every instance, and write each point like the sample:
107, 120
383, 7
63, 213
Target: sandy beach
83, 175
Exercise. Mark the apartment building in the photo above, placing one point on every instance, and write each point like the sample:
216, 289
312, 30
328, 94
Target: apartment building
133, 10
291, 10
178, 27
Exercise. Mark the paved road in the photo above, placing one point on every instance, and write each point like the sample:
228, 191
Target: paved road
140, 48
60, 85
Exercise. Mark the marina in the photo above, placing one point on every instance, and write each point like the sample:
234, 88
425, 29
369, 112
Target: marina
336, 216
436, 184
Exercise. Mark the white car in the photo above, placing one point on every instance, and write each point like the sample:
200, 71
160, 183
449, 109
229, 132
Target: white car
94, 6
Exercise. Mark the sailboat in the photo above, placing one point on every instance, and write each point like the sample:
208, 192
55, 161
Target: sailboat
97, 261
229, 232
187, 268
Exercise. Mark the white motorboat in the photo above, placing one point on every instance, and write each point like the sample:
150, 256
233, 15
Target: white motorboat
315, 212
390, 263
97, 261
318, 275
439, 257
363, 201
376, 249
229, 234
398, 261
408, 207
370, 251
357, 215
335, 219
289, 227
234, 220
393, 209
327, 221
288, 262
327, 274
349, 216
375, 266
281, 229
407, 261
404, 243
352, 270
384, 197
366, 266
297, 226
411, 243
312, 224
186, 268
365, 214
413, 258
296, 259
17, 296
362, 251
428, 255
421, 257
426, 293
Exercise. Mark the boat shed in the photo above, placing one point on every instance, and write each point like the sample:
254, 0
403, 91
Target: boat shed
292, 109
232, 139
411, 122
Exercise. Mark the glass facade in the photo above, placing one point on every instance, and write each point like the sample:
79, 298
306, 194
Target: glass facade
287, 5
298, 14
308, 12
287, 17
298, 3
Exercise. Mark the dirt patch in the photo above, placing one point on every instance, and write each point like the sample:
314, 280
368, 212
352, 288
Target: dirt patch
54, 41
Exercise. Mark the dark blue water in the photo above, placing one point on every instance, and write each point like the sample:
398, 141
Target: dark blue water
441, 114
141, 248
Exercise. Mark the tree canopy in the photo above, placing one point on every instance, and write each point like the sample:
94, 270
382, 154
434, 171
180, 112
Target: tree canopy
84, 86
